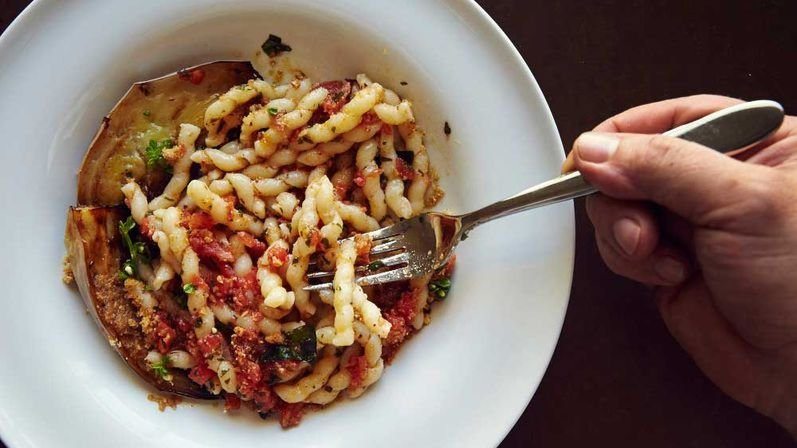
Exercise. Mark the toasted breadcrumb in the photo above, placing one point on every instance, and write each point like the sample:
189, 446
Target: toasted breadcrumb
67, 276
173, 154
165, 401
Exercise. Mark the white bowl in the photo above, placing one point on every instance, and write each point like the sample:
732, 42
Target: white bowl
463, 381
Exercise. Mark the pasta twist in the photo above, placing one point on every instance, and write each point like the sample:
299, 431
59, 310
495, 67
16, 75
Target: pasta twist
301, 389
274, 295
181, 169
222, 211
348, 118
394, 189
260, 118
219, 118
395, 115
245, 190
372, 186
413, 139
268, 142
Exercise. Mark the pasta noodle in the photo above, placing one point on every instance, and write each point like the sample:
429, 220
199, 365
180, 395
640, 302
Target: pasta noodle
181, 169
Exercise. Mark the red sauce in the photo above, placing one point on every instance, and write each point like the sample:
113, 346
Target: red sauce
255, 247
404, 171
197, 220
400, 317
194, 76
277, 256
209, 249
338, 96
247, 347
231, 402
201, 374
290, 413
165, 335
357, 367
359, 179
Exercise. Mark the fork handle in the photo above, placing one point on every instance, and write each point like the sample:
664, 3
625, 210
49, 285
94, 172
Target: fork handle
730, 131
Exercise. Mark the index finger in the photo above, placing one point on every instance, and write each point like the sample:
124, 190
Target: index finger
661, 116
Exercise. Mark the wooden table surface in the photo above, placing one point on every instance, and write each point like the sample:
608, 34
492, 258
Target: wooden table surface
617, 378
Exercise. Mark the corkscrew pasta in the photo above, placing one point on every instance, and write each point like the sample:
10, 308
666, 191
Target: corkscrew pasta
287, 179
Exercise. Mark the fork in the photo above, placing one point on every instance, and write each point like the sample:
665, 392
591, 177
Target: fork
421, 245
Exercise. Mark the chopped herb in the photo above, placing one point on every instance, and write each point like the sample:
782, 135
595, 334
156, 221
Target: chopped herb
138, 250
147, 113
403, 83
334, 129
273, 46
127, 270
154, 154
446, 129
272, 111
440, 287
161, 368
189, 288
375, 265
300, 345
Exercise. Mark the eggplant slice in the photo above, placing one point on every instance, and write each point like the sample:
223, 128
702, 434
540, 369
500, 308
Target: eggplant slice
94, 248
150, 110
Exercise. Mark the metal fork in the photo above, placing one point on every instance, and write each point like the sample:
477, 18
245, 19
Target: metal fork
423, 244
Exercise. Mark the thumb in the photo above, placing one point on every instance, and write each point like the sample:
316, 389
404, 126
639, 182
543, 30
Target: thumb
689, 179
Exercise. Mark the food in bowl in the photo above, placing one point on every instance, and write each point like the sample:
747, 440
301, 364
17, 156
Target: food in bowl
204, 201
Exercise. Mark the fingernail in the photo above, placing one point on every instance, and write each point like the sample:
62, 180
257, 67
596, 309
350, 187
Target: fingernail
626, 233
595, 147
670, 269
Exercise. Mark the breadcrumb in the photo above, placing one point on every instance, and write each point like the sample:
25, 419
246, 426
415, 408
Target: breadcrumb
67, 276
165, 401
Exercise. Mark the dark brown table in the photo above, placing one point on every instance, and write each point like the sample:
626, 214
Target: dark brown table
617, 377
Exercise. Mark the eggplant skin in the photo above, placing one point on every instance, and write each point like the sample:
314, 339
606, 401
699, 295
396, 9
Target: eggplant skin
95, 251
150, 110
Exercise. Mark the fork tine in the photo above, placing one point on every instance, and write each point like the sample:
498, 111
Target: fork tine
393, 260
387, 246
318, 287
386, 277
387, 261
375, 279
385, 232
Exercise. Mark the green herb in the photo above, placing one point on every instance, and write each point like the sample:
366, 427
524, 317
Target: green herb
300, 345
375, 265
138, 250
189, 288
161, 368
440, 287
272, 111
147, 113
274, 46
154, 154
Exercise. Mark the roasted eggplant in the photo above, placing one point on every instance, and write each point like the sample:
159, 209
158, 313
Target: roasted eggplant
149, 111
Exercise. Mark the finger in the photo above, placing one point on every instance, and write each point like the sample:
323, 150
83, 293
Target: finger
784, 152
629, 227
703, 186
655, 118
693, 320
666, 266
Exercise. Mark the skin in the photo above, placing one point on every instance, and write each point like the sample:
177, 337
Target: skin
715, 236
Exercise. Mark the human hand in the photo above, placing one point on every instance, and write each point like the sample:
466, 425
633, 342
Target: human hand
716, 236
